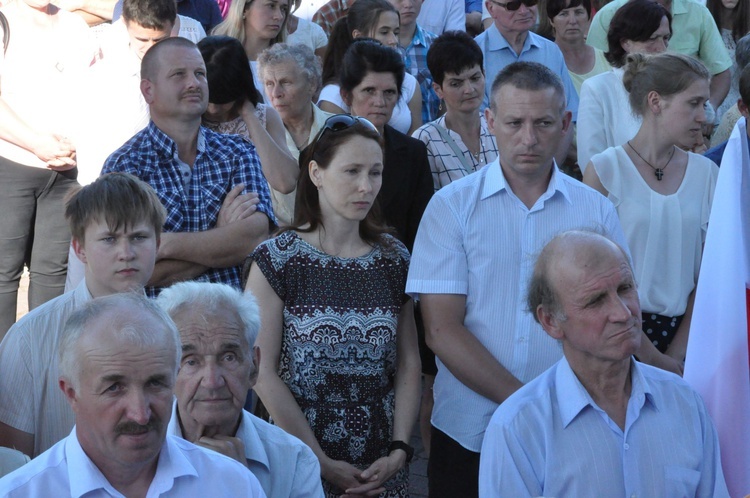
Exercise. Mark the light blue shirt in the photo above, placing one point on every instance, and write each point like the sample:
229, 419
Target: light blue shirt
285, 466
478, 239
550, 438
498, 53
183, 470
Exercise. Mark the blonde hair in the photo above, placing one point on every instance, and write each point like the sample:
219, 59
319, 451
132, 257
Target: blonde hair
234, 24
666, 74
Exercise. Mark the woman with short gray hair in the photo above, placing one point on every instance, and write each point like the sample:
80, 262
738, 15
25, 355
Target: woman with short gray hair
291, 77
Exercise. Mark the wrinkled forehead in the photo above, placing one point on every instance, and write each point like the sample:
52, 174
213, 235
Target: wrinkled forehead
209, 331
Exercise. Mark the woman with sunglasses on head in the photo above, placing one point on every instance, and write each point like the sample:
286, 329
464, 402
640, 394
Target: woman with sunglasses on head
370, 79
662, 195
379, 20
257, 24
605, 118
340, 365
234, 109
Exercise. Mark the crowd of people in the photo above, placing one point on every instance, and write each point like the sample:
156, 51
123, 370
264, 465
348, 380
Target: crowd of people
261, 247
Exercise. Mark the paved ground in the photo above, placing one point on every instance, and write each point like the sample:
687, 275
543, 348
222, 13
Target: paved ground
418, 470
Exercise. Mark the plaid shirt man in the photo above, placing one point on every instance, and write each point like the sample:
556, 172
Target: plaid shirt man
332, 11
194, 197
415, 58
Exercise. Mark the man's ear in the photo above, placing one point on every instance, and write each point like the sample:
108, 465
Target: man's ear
550, 322
79, 249
256, 366
567, 119
69, 391
743, 108
147, 89
490, 117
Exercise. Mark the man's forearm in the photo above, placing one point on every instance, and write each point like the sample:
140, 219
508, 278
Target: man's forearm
169, 271
219, 247
719, 88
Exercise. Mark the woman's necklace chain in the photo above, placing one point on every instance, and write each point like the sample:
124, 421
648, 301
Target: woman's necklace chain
658, 172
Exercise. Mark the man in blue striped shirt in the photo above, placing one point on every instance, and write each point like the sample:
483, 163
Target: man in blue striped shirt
598, 423
473, 255
217, 199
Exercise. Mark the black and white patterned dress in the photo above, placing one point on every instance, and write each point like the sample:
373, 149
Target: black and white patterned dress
338, 351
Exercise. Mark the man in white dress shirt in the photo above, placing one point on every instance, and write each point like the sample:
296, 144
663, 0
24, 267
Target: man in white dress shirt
118, 358
597, 423
116, 226
472, 258
218, 326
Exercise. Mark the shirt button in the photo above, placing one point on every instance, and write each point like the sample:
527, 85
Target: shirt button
627, 447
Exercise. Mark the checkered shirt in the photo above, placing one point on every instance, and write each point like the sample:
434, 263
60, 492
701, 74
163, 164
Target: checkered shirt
415, 58
223, 161
332, 11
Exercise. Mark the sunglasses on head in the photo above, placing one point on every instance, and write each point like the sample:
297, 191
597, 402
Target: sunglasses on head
515, 4
341, 122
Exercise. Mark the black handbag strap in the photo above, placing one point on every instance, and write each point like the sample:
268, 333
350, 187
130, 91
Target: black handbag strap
6, 31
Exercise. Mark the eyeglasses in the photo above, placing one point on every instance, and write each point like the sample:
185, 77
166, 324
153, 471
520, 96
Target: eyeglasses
339, 122
514, 5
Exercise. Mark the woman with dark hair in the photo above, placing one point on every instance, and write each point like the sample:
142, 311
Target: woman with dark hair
379, 20
370, 80
257, 24
569, 21
234, 108
662, 195
732, 17
459, 142
604, 115
340, 365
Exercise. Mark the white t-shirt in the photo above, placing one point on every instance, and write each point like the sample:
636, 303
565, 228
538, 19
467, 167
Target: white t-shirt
401, 117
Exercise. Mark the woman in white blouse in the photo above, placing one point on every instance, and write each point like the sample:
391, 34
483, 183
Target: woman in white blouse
459, 142
662, 195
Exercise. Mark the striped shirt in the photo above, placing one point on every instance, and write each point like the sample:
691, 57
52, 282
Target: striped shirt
445, 165
551, 438
30, 398
478, 239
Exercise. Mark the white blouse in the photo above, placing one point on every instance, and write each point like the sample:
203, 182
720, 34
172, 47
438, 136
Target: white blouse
665, 233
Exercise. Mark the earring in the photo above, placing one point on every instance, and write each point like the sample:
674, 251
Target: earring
440, 107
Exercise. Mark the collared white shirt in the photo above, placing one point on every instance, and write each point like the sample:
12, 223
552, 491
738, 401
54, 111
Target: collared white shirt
30, 398
478, 239
550, 438
285, 466
183, 470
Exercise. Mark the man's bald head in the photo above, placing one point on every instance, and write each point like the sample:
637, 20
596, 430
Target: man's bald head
151, 61
578, 248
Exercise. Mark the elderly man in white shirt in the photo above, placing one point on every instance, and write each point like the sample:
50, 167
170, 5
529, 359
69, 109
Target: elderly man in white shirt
597, 423
119, 357
218, 325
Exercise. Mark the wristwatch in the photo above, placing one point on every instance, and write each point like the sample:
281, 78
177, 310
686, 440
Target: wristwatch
400, 445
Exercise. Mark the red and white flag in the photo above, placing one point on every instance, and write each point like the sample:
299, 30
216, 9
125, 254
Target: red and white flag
718, 354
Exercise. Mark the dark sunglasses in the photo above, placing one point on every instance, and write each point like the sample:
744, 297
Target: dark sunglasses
515, 4
341, 122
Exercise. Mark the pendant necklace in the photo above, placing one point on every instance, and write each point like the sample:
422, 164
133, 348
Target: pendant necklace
658, 172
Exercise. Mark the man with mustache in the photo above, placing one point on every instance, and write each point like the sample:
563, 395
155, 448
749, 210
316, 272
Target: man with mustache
597, 423
194, 171
118, 358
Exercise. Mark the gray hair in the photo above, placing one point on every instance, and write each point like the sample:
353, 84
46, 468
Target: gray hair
301, 55
742, 53
126, 323
212, 297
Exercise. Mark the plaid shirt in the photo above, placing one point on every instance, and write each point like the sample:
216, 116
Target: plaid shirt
332, 11
415, 58
223, 161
